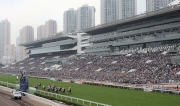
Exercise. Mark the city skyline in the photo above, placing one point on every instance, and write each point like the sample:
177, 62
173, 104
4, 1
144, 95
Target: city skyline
26, 34
69, 20
85, 17
152, 5
35, 13
50, 28
112, 10
5, 35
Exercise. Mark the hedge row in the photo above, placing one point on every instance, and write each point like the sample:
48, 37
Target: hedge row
112, 86
12, 87
72, 81
49, 97
168, 92
58, 99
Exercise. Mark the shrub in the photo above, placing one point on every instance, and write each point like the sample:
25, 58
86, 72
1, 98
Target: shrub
59, 79
72, 81
58, 99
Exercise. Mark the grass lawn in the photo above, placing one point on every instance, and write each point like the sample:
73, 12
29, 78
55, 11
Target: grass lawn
111, 96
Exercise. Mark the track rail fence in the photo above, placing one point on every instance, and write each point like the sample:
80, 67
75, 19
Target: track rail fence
9, 85
83, 101
77, 100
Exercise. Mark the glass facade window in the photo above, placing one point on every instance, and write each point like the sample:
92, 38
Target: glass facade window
45, 50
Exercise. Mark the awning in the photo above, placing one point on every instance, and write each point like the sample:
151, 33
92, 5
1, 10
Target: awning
89, 62
31, 58
148, 61
21, 67
165, 52
132, 70
114, 62
45, 68
77, 69
55, 66
99, 70
178, 73
129, 55
31, 63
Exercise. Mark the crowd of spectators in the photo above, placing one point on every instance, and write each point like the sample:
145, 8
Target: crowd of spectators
137, 67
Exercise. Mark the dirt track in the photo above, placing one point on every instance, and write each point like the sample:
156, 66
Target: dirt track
6, 100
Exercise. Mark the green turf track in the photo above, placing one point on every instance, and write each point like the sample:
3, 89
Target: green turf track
111, 96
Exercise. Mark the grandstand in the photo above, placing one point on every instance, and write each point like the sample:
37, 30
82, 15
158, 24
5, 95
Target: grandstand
152, 29
57, 44
136, 50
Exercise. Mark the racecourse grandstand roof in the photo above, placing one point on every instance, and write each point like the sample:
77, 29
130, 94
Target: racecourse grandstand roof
47, 40
108, 27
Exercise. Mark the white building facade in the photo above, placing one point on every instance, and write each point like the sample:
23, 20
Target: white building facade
5, 35
112, 10
9, 54
174, 2
50, 28
17, 48
40, 32
85, 17
26, 35
69, 21
152, 5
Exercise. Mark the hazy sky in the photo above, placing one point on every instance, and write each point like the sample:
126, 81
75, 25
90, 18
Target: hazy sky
35, 12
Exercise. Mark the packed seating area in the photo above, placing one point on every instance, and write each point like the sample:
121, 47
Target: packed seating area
139, 66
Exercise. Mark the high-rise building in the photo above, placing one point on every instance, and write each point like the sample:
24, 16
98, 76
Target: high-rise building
69, 21
175, 2
85, 17
9, 54
40, 32
17, 48
152, 5
5, 35
50, 28
112, 10
26, 35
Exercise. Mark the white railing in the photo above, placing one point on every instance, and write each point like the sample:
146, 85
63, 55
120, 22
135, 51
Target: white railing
40, 98
8, 84
72, 98
6, 88
58, 95
49, 102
